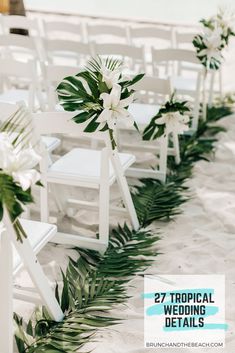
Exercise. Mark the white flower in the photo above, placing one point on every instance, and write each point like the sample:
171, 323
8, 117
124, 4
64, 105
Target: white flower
174, 121
212, 40
110, 77
22, 170
18, 164
115, 108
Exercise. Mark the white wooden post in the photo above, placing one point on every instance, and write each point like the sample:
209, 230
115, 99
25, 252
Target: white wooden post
176, 145
6, 294
163, 155
37, 275
204, 100
124, 188
104, 193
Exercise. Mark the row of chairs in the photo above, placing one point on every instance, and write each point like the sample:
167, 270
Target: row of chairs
165, 36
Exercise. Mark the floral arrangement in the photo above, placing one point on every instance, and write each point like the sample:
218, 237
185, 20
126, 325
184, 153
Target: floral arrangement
215, 37
17, 173
173, 116
100, 94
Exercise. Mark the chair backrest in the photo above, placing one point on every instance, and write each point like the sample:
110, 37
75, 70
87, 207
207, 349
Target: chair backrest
21, 22
132, 57
24, 123
54, 74
183, 40
153, 90
155, 34
19, 47
62, 29
60, 51
47, 123
167, 56
102, 33
13, 73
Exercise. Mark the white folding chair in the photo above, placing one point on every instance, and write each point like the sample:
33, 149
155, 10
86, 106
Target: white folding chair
54, 74
19, 47
163, 36
63, 30
15, 75
184, 39
132, 57
152, 93
85, 168
151, 36
67, 52
8, 109
190, 84
106, 33
21, 22
14, 256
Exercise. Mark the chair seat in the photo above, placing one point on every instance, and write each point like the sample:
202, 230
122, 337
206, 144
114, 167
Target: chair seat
39, 234
82, 167
184, 84
143, 113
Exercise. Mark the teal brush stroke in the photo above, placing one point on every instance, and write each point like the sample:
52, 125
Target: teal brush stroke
205, 327
158, 309
199, 290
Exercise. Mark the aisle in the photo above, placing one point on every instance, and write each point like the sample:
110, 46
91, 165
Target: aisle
200, 241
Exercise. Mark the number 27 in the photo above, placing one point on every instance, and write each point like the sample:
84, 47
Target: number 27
159, 297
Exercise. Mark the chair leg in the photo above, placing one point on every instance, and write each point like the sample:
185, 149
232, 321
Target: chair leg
176, 147
104, 198
6, 295
163, 155
124, 189
38, 278
44, 203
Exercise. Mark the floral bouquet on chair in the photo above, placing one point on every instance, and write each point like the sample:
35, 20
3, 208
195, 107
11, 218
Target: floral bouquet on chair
215, 37
100, 94
173, 117
17, 173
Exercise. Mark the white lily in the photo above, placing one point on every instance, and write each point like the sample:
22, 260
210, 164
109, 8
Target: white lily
22, 169
18, 164
212, 40
115, 108
110, 77
175, 122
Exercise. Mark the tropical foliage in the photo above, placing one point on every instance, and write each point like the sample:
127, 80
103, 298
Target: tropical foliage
17, 162
209, 45
172, 117
100, 95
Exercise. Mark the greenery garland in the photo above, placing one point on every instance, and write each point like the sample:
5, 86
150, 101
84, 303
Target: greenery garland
94, 283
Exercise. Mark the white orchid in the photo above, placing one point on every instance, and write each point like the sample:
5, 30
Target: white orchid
174, 121
212, 41
110, 77
19, 164
115, 108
